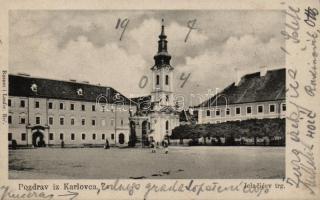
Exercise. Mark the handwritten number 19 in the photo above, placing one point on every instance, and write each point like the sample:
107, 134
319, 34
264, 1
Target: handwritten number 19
123, 24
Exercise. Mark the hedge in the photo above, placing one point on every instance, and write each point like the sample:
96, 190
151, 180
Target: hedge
252, 128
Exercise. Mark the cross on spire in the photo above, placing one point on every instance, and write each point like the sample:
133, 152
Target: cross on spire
162, 34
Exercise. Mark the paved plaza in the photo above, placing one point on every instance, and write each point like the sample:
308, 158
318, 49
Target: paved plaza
181, 163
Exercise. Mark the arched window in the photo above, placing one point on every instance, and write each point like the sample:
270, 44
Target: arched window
121, 138
167, 80
167, 125
158, 79
167, 98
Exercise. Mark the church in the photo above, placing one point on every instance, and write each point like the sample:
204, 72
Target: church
157, 113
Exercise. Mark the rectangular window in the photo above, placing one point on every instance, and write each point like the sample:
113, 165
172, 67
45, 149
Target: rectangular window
112, 136
9, 102
37, 104
217, 112
83, 122
72, 106
72, 121
50, 120
61, 136
272, 108
83, 107
22, 120
158, 79
103, 136
103, 122
22, 103
238, 110
72, 136
121, 122
83, 136
93, 122
9, 119
283, 107
38, 120
93, 107
249, 110
9, 136
61, 106
208, 113
260, 109
50, 105
94, 136
167, 80
61, 121
51, 136
228, 111
23, 137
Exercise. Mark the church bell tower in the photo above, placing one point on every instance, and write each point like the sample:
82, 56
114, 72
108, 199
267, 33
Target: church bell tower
162, 74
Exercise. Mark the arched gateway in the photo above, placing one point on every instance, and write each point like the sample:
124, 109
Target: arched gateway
38, 136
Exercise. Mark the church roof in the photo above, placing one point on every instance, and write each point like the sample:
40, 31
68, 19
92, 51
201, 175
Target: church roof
167, 109
185, 116
26, 86
162, 58
161, 66
252, 88
143, 101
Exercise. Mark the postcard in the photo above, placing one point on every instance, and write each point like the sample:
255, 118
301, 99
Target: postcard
159, 99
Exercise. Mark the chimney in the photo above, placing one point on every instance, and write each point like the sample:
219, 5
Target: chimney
263, 70
238, 78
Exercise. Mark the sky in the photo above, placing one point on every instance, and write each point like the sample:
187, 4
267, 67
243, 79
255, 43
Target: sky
84, 45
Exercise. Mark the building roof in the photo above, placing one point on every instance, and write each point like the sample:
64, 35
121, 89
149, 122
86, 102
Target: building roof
252, 88
186, 117
26, 86
144, 102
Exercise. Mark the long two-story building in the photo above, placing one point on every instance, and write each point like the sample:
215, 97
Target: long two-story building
257, 95
44, 112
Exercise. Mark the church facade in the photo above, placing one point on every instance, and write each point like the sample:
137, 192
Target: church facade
157, 114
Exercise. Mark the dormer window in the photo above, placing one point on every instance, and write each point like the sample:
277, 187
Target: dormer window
34, 87
80, 92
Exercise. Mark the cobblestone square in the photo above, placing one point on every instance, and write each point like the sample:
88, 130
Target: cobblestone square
134, 163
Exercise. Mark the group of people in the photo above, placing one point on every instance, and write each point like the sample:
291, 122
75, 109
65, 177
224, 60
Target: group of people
154, 145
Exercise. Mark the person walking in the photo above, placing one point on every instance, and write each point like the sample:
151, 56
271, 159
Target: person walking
107, 146
153, 146
165, 146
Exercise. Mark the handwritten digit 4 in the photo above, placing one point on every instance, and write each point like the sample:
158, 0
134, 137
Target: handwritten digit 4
184, 79
122, 24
